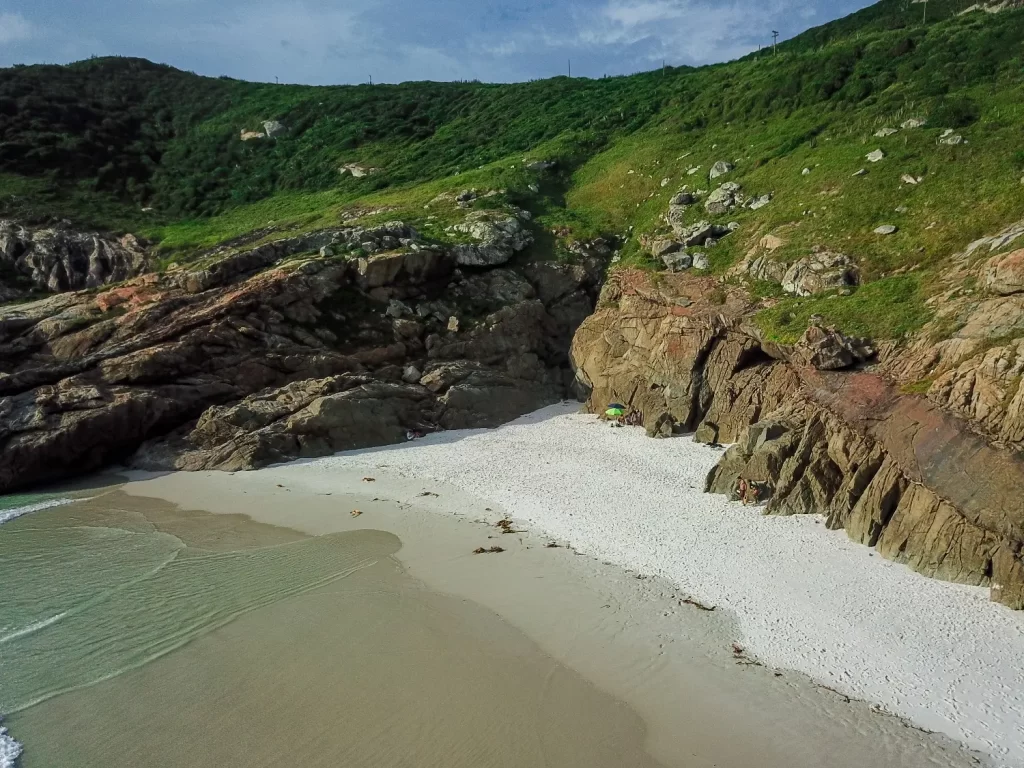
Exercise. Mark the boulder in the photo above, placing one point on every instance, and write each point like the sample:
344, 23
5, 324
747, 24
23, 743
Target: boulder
758, 202
881, 133
886, 229
677, 261
682, 199
913, 122
906, 178
827, 349
700, 260
358, 170
540, 165
695, 234
659, 248
499, 237
950, 138
1004, 274
875, 156
819, 272
273, 128
251, 135
861, 172
720, 169
723, 199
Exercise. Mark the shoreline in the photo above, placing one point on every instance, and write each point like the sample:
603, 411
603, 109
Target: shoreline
632, 635
938, 655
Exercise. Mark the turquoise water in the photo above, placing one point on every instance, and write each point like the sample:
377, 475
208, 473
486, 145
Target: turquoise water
89, 593
18, 504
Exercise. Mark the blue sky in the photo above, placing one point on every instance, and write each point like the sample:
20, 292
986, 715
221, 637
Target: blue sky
345, 41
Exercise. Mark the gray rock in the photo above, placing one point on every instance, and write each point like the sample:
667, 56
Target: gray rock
950, 138
696, 234
397, 309
906, 178
358, 171
876, 156
806, 172
682, 199
886, 229
861, 172
881, 133
540, 165
273, 128
677, 261
913, 122
56, 259
821, 271
759, 202
720, 169
700, 260
723, 199
661, 247
499, 237
411, 374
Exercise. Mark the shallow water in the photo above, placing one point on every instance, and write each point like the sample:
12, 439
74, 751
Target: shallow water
135, 634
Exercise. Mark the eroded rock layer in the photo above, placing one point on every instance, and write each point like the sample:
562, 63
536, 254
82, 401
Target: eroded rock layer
303, 346
811, 425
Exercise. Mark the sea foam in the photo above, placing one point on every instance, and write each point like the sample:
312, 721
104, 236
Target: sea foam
9, 749
7, 515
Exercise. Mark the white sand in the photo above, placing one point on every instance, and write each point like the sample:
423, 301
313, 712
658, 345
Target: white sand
805, 598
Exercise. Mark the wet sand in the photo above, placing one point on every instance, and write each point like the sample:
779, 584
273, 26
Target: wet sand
677, 672
373, 669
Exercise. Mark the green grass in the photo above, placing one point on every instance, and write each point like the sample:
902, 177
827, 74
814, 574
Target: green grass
889, 308
98, 141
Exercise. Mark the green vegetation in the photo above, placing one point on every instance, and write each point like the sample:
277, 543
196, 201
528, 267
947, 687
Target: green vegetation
124, 144
885, 309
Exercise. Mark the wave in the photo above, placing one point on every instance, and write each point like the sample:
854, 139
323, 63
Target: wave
30, 629
7, 515
9, 749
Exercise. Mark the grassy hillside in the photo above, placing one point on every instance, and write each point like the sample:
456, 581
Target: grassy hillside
126, 144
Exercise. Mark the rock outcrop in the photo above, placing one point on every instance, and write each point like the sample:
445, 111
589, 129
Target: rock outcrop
296, 347
821, 271
814, 427
59, 259
498, 237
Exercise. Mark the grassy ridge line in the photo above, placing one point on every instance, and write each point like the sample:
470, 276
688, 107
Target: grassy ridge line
815, 105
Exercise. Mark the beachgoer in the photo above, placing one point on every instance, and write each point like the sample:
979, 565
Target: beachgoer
754, 490
741, 491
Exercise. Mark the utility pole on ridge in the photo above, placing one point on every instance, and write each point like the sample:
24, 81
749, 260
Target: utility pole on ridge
775, 42
570, 67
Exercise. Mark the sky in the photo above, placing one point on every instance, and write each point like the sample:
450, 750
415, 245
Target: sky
324, 42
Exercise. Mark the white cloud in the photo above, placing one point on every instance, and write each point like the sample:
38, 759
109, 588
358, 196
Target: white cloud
15, 27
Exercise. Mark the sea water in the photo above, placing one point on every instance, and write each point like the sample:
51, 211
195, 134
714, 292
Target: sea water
88, 595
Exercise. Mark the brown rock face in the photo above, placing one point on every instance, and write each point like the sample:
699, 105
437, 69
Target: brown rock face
898, 472
278, 351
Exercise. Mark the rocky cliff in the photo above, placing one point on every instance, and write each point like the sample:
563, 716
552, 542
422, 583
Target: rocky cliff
341, 338
61, 259
830, 425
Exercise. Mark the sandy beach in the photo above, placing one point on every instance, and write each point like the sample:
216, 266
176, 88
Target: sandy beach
629, 619
791, 594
